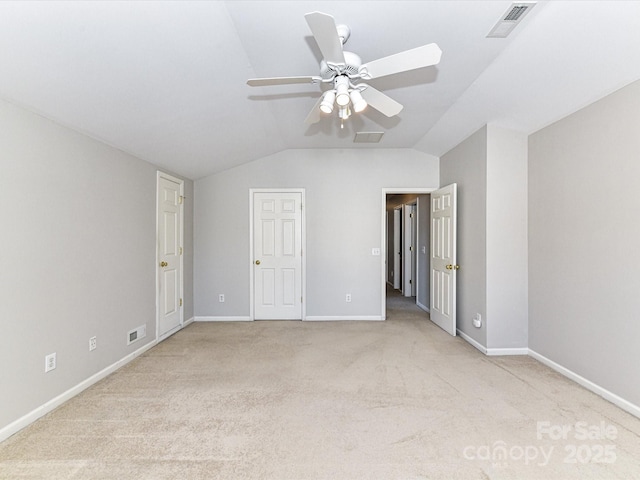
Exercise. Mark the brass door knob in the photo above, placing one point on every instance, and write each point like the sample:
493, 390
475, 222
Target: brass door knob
257, 262
453, 267
449, 267
163, 264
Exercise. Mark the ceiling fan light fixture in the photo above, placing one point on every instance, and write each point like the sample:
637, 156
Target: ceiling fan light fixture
359, 103
344, 112
342, 91
342, 99
326, 106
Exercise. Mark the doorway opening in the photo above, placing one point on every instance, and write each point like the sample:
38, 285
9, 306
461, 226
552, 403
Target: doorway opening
406, 240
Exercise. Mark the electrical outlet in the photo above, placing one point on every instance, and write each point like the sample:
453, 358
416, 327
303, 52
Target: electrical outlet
348, 299
477, 320
50, 362
92, 343
221, 298
375, 251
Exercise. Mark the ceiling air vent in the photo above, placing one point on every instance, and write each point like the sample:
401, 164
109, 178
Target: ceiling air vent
367, 137
513, 16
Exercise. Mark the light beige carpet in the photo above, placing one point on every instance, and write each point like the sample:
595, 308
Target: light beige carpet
328, 400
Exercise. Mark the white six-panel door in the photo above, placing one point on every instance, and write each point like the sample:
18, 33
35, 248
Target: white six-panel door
169, 255
443, 258
277, 255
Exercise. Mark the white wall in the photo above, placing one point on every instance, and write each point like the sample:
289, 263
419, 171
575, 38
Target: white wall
490, 168
187, 239
77, 254
584, 233
507, 286
466, 165
343, 214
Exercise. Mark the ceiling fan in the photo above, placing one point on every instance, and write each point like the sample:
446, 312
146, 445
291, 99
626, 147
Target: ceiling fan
345, 71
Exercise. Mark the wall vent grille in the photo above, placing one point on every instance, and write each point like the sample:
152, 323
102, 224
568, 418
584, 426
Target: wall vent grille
136, 334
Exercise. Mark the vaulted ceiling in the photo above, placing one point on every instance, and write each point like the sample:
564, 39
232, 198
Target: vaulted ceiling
166, 81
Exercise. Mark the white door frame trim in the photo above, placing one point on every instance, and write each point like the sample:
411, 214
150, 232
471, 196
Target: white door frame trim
418, 251
303, 259
409, 229
383, 253
180, 182
397, 248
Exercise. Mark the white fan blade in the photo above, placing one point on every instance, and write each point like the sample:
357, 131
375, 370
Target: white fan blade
264, 82
324, 30
314, 114
378, 100
424, 56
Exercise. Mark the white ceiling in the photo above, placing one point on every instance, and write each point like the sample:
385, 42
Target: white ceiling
166, 81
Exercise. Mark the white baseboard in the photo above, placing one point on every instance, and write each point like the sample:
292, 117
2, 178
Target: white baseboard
423, 307
496, 352
625, 405
492, 352
191, 320
327, 318
470, 340
588, 384
309, 318
223, 319
55, 402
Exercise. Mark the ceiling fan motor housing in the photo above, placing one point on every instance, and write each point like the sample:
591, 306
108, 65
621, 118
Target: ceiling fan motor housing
352, 64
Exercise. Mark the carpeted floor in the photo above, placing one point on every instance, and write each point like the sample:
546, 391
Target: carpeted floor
328, 400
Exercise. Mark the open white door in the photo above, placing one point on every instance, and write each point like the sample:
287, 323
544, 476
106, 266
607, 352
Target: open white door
443, 258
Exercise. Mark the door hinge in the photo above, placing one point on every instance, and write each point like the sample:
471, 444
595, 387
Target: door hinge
180, 199
411, 249
180, 302
180, 250
411, 215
